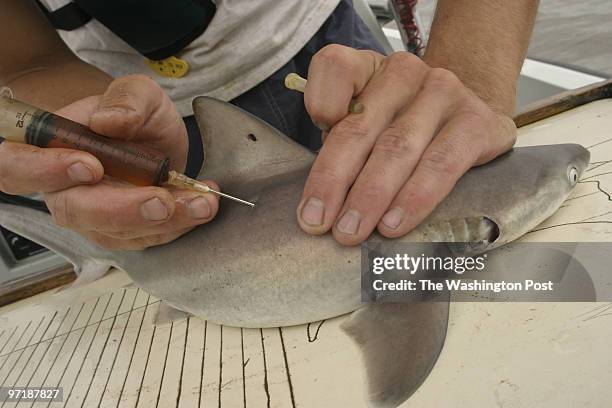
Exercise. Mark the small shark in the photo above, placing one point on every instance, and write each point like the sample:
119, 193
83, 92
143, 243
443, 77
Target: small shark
254, 267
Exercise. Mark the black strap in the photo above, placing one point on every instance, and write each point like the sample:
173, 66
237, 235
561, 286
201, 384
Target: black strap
157, 29
70, 17
23, 202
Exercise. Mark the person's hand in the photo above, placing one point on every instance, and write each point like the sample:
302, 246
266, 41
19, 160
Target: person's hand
114, 214
391, 165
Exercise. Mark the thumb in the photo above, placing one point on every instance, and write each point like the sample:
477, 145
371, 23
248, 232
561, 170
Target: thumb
127, 106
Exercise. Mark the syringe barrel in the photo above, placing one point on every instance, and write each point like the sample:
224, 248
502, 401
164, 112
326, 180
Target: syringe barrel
131, 162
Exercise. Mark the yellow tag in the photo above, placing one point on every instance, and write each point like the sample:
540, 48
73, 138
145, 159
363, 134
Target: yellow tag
171, 67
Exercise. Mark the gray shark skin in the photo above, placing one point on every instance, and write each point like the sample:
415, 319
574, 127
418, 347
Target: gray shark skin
254, 267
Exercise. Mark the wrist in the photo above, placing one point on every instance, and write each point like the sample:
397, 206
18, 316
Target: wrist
495, 86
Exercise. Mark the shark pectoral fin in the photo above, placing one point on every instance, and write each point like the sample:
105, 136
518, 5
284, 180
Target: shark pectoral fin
167, 314
90, 261
399, 344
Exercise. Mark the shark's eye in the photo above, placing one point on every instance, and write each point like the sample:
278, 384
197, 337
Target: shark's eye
572, 175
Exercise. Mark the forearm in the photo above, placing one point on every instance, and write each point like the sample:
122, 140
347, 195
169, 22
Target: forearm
484, 43
37, 65
51, 83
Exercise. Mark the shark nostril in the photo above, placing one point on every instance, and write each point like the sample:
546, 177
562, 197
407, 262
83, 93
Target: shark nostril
252, 137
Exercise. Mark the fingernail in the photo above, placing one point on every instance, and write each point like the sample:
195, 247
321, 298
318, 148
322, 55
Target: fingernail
349, 223
154, 210
393, 218
80, 173
313, 212
198, 208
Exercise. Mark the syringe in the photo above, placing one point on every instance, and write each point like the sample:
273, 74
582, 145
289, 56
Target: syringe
131, 162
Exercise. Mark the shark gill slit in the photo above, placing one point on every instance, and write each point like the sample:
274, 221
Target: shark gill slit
481, 230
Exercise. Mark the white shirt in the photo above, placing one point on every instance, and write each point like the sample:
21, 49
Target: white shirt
246, 42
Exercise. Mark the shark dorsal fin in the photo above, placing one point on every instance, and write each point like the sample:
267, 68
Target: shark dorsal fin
241, 149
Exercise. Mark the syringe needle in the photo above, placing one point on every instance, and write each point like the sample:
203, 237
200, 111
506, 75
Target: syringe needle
182, 181
231, 197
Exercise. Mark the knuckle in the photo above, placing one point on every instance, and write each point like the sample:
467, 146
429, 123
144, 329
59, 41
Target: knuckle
130, 120
322, 117
442, 160
349, 130
61, 208
401, 63
335, 54
118, 96
124, 88
476, 120
441, 79
499, 140
51, 163
396, 141
418, 197
62, 155
325, 176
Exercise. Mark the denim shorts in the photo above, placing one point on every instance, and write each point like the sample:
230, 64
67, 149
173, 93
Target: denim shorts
284, 109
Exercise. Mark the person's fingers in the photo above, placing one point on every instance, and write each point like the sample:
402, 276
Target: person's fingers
446, 159
110, 206
136, 244
336, 74
26, 169
350, 141
394, 156
136, 108
191, 209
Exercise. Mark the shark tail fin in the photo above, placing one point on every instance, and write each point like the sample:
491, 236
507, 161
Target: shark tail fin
90, 261
399, 343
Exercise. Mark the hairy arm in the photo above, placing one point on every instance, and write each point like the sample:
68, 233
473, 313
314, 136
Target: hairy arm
39, 68
37, 65
484, 43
